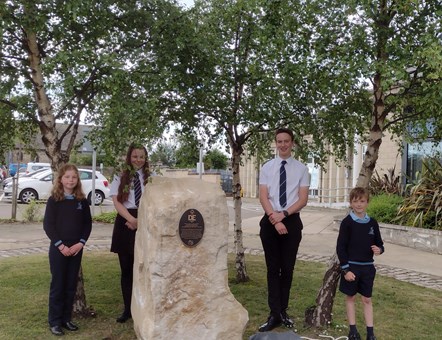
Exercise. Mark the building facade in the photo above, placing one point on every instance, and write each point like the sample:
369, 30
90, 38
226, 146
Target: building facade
330, 185
38, 152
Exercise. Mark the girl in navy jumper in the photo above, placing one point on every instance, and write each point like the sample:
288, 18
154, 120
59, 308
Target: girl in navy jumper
358, 240
68, 224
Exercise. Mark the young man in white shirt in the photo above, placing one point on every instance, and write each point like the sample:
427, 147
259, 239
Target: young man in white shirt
283, 192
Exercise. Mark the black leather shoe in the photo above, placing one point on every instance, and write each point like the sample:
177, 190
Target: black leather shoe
56, 330
272, 322
70, 326
124, 317
286, 320
354, 336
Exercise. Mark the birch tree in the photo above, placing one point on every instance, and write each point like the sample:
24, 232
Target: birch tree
64, 61
237, 93
53, 58
393, 51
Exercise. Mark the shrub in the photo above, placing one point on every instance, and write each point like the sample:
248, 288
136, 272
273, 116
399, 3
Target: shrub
32, 212
107, 217
384, 207
422, 206
389, 183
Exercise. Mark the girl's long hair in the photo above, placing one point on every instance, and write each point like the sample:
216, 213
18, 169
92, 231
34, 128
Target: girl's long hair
58, 191
128, 173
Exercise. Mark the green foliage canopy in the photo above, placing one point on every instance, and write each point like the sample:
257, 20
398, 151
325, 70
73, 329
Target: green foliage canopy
215, 159
106, 62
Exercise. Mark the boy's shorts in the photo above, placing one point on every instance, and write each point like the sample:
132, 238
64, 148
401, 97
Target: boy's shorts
363, 283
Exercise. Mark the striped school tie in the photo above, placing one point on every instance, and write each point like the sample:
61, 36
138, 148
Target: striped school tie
282, 185
137, 188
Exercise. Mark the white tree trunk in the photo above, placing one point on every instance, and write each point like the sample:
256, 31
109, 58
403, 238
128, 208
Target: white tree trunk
240, 263
321, 314
45, 111
80, 307
47, 127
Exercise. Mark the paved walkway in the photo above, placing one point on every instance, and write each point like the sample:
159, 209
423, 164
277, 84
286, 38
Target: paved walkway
318, 243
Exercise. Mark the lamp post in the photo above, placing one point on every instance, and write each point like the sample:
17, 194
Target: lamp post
200, 166
15, 179
94, 167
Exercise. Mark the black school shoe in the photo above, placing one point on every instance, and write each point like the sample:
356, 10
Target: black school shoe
70, 326
124, 317
286, 320
272, 322
354, 336
56, 330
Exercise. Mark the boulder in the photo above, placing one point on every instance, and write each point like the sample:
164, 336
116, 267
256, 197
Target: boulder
180, 288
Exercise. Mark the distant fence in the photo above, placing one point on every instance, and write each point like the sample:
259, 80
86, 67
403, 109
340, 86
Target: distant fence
332, 197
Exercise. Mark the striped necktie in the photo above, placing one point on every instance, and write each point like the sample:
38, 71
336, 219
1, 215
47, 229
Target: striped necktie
282, 185
137, 188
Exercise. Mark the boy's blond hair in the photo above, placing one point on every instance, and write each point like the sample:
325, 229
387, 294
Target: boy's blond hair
359, 192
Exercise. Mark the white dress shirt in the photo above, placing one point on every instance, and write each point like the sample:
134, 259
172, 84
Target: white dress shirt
297, 176
130, 203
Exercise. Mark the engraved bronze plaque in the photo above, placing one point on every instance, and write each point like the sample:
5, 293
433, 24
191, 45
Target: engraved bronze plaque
191, 228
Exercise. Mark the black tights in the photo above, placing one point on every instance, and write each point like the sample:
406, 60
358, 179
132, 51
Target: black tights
126, 265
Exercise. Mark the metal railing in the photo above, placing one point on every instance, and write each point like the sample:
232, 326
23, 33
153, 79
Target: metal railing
330, 197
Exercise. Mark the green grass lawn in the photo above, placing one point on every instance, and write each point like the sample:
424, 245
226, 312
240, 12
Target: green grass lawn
402, 310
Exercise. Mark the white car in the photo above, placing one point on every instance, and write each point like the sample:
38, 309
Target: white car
32, 167
22, 175
39, 186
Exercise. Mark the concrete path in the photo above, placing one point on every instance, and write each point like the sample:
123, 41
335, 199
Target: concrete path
318, 243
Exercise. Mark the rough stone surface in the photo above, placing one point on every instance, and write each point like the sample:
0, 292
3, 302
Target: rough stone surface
419, 238
182, 292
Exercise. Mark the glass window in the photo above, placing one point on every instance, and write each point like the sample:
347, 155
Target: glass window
47, 178
417, 153
85, 175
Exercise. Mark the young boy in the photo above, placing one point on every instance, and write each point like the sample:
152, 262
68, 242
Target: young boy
359, 238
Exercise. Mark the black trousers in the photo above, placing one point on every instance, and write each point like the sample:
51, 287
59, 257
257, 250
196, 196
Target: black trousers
280, 255
64, 270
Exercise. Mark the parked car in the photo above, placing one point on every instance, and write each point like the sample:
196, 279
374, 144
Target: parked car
13, 168
22, 175
38, 186
31, 166
21, 171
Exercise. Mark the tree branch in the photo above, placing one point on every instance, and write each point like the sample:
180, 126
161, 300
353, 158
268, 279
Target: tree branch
79, 93
8, 103
403, 117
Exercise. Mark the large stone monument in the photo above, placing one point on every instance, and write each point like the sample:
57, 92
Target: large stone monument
180, 286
